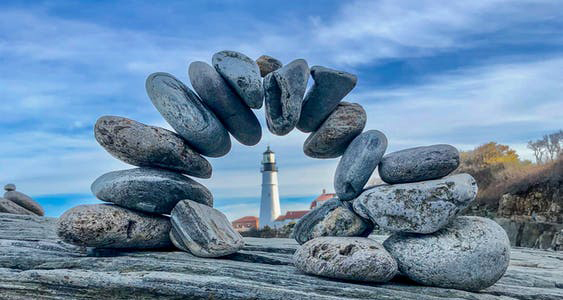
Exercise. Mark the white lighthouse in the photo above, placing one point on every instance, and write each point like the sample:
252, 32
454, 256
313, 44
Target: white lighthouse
270, 203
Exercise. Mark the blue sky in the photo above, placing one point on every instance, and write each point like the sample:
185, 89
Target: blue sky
429, 72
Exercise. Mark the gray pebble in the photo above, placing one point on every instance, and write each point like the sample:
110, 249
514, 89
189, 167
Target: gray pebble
332, 218
335, 134
9, 207
421, 207
203, 230
329, 88
267, 64
471, 253
358, 163
185, 112
242, 74
25, 201
149, 146
149, 190
349, 258
237, 118
419, 164
283, 91
10, 187
111, 226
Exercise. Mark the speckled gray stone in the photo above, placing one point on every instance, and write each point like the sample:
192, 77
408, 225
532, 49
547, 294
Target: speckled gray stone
149, 190
10, 187
25, 201
419, 164
283, 91
349, 258
7, 206
332, 218
149, 146
337, 132
358, 163
111, 226
242, 74
189, 117
471, 253
235, 115
421, 207
329, 88
267, 64
203, 230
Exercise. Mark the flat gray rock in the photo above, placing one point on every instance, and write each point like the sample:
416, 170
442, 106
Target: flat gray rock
335, 134
149, 146
419, 164
329, 88
242, 74
203, 230
10, 187
358, 163
283, 91
111, 226
9, 207
149, 190
472, 253
332, 218
349, 258
25, 201
267, 64
235, 115
422, 207
189, 117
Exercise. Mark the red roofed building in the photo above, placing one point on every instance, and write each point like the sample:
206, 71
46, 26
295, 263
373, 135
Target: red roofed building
245, 223
322, 199
289, 217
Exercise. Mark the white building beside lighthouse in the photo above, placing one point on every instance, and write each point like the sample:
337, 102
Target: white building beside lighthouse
270, 202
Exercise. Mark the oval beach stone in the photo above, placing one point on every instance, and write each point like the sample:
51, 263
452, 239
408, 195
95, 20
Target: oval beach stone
10, 187
335, 134
242, 74
283, 92
332, 218
149, 190
420, 207
349, 258
329, 89
149, 146
189, 117
9, 207
358, 163
203, 230
267, 64
235, 115
25, 201
419, 164
111, 226
471, 253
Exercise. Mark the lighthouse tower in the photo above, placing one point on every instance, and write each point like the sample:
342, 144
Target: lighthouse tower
270, 203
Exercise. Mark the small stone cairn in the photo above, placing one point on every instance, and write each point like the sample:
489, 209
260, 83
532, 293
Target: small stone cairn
156, 205
18, 203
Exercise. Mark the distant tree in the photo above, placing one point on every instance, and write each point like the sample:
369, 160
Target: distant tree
490, 154
538, 149
548, 148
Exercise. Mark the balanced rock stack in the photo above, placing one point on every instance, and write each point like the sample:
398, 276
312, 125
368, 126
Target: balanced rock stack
18, 203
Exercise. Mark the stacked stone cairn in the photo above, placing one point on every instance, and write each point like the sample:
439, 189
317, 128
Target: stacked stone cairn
18, 203
157, 205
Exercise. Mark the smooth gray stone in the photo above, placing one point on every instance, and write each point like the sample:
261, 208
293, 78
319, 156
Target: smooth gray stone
149, 146
242, 74
25, 201
471, 253
267, 64
329, 88
283, 94
349, 258
419, 164
111, 226
235, 115
149, 190
337, 132
332, 218
421, 207
189, 117
10, 187
7, 206
203, 230
358, 163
